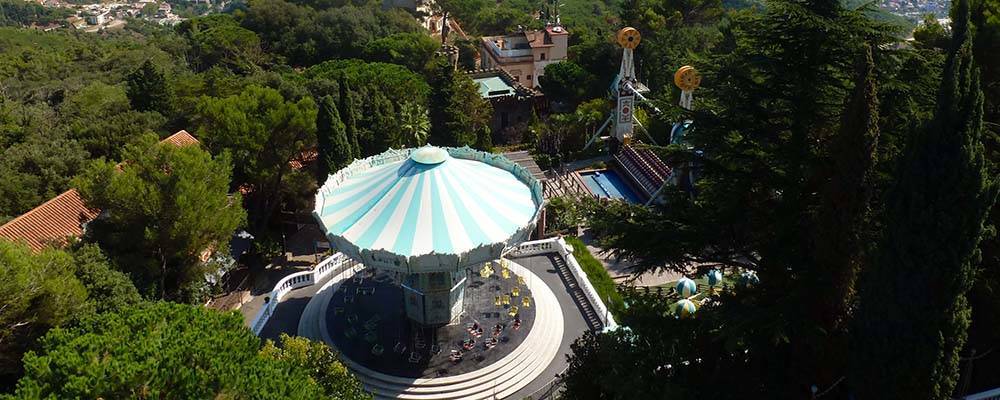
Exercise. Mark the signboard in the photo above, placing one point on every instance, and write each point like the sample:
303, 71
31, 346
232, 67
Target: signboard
623, 127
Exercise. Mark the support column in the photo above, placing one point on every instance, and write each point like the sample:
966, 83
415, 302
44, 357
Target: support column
434, 298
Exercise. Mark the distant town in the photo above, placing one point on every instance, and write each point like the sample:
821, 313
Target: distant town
915, 10
102, 16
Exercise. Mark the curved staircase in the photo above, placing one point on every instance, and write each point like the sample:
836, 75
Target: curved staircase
498, 380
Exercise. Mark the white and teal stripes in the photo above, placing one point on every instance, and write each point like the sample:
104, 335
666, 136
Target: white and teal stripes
389, 210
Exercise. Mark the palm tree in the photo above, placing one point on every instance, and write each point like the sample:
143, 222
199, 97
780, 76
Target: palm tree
414, 123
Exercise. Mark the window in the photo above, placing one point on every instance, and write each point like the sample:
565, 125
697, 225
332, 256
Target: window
529, 78
543, 57
517, 78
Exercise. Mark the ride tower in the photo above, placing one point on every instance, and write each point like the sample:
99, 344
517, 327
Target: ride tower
626, 91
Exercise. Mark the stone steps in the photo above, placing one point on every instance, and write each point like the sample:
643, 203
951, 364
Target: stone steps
576, 291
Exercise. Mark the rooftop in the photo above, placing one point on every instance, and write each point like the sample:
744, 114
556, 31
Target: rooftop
497, 84
493, 86
51, 222
64, 215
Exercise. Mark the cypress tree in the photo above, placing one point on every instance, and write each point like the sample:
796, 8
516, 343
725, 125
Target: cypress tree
442, 83
913, 314
843, 210
349, 118
335, 150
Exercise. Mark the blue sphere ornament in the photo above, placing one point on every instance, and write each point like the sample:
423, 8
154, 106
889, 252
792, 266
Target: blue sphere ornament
686, 287
714, 277
749, 278
685, 308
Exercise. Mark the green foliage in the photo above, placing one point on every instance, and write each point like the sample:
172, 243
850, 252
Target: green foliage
923, 287
567, 81
459, 116
25, 14
322, 362
413, 50
163, 208
414, 124
931, 34
392, 95
565, 135
147, 89
335, 149
39, 164
484, 18
262, 132
37, 292
160, 350
468, 53
307, 36
784, 174
100, 118
47, 66
597, 275
108, 290
229, 46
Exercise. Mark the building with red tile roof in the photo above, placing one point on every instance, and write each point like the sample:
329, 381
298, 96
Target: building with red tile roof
65, 215
524, 55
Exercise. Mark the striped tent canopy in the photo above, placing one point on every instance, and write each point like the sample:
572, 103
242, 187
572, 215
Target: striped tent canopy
429, 209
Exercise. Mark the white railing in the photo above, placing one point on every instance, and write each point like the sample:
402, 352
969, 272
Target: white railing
558, 245
336, 263
987, 395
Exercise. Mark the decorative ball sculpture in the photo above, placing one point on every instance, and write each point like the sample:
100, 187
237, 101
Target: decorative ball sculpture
685, 308
714, 277
686, 287
629, 37
687, 78
749, 278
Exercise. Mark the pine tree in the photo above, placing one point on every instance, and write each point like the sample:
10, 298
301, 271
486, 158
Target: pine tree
913, 314
147, 89
335, 150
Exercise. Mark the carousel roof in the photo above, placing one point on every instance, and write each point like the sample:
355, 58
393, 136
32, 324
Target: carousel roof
453, 206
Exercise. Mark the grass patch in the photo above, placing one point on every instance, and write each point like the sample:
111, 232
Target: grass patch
598, 276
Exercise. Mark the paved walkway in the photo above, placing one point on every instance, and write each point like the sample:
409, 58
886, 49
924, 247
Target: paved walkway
573, 318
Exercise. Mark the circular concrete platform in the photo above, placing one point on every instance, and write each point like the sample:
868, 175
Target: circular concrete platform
495, 374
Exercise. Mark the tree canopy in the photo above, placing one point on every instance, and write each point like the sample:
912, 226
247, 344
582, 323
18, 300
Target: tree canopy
164, 209
162, 350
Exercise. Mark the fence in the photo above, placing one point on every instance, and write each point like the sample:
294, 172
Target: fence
334, 264
339, 263
987, 395
558, 245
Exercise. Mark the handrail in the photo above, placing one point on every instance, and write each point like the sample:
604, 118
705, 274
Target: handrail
559, 246
338, 263
987, 395
335, 263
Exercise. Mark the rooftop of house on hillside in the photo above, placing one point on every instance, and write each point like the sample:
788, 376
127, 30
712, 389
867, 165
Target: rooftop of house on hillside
65, 215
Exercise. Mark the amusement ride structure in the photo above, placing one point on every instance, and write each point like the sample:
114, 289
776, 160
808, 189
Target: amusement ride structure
626, 91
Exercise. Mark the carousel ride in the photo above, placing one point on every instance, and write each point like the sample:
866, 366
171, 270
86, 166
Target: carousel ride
435, 308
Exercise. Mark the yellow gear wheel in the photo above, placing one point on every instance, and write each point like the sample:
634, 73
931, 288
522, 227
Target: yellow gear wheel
629, 37
687, 78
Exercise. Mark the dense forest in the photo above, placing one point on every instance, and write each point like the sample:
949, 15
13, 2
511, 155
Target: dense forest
846, 183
